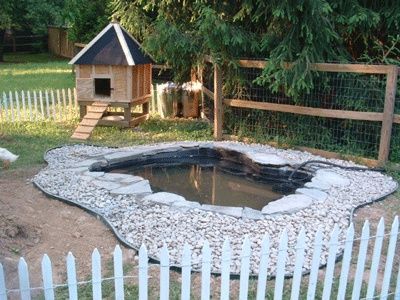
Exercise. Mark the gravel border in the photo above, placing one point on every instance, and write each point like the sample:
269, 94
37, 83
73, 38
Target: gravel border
62, 160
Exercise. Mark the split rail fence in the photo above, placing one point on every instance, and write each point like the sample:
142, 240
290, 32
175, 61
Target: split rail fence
376, 253
387, 117
57, 105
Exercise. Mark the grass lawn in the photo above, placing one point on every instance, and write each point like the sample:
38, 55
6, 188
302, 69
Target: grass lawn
22, 71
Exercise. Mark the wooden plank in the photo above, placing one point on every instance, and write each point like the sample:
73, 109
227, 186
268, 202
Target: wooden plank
362, 254
143, 273
84, 129
85, 71
3, 291
71, 277
344, 273
186, 269
376, 256
207, 92
280, 264
80, 136
129, 82
23, 276
396, 119
96, 275
391, 251
263, 269
298, 266
324, 67
307, 111
84, 88
118, 274
225, 269
218, 109
388, 112
205, 271
136, 121
244, 269
164, 273
47, 276
94, 115
89, 122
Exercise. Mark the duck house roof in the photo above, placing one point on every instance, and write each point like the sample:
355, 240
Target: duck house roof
112, 46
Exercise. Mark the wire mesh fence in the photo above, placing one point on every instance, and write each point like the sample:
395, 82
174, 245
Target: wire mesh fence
328, 129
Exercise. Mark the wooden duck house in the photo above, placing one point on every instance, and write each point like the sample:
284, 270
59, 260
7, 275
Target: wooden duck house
111, 71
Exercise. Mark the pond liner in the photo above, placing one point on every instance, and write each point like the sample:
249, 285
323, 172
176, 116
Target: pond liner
176, 267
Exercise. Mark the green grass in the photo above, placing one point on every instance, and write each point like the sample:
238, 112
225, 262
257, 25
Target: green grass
31, 140
35, 72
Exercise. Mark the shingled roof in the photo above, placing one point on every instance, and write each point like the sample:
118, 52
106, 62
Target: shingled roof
112, 46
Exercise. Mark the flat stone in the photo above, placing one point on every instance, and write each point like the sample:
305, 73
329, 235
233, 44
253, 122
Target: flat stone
79, 169
108, 185
165, 198
253, 214
318, 184
94, 174
117, 157
332, 178
188, 144
85, 163
288, 204
132, 179
268, 159
141, 187
115, 176
225, 210
163, 149
184, 206
313, 193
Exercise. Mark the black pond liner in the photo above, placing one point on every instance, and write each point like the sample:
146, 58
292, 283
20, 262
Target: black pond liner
175, 267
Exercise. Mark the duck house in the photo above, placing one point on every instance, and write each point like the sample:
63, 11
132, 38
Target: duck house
112, 71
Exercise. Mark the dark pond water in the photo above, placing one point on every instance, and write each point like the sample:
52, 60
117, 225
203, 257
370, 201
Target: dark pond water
214, 181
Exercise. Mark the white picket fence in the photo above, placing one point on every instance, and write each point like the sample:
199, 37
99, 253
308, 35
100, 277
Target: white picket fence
339, 273
57, 105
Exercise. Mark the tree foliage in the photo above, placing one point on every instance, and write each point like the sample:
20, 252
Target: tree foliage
180, 33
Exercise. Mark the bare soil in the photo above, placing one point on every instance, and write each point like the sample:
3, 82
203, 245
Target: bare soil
32, 224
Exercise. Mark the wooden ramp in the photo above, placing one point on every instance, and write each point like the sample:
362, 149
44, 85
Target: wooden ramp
95, 112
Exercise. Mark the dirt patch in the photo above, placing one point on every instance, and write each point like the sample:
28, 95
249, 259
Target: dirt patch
32, 224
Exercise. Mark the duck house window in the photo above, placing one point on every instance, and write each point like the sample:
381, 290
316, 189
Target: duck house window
102, 87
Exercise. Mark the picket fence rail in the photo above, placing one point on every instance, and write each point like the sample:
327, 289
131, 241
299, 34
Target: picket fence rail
389, 284
57, 105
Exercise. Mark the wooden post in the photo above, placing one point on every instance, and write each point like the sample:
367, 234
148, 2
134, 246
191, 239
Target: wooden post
218, 110
388, 112
128, 113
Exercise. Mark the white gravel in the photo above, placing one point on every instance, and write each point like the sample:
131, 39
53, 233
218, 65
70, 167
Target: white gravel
139, 221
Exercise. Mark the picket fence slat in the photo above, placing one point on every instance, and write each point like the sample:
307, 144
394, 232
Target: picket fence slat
390, 257
281, 265
205, 271
263, 269
245, 269
53, 105
59, 106
3, 291
186, 269
47, 275
118, 274
362, 254
225, 269
10, 97
24, 285
30, 105
164, 273
143, 271
313, 278
96, 275
397, 290
346, 262
66, 111
23, 104
35, 105
17, 106
41, 103
380, 230
4, 106
71, 277
298, 266
330, 266
70, 100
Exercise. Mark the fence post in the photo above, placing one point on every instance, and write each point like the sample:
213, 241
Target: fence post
218, 110
388, 112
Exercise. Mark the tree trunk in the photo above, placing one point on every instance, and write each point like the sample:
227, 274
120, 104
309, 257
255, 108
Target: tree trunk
2, 36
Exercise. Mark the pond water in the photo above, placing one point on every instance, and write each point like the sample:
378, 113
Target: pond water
213, 181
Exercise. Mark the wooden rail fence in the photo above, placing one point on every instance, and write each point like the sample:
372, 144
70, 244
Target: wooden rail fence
387, 117
57, 105
58, 42
339, 281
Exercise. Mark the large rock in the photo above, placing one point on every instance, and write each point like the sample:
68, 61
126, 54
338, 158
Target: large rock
268, 159
165, 198
225, 210
313, 193
141, 187
331, 178
288, 204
